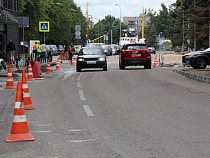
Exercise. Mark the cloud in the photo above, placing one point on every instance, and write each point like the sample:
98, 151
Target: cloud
101, 8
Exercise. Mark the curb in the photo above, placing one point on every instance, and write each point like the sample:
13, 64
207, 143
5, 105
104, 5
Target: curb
193, 76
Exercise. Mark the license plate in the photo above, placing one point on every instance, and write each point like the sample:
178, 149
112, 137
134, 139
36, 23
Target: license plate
91, 62
135, 55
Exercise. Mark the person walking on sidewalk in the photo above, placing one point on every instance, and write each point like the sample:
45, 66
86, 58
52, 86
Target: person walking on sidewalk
11, 52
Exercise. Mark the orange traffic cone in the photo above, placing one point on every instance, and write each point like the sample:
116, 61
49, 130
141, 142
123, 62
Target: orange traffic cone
10, 83
156, 61
57, 65
19, 131
26, 95
72, 61
48, 70
30, 73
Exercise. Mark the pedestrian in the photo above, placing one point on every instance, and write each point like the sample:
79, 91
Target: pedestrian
34, 51
2, 65
11, 52
71, 50
38, 50
43, 53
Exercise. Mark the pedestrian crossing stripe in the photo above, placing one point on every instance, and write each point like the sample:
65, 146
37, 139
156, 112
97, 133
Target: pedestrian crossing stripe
44, 26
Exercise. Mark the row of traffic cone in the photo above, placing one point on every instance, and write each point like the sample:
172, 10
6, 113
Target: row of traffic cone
20, 131
10, 83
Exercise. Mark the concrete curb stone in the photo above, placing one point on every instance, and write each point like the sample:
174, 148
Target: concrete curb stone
200, 78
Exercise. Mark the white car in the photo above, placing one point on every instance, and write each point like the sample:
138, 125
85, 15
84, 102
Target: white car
152, 50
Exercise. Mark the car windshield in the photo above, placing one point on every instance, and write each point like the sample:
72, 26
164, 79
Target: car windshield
95, 51
136, 47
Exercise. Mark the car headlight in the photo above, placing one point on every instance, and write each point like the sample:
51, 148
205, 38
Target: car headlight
81, 59
101, 59
190, 56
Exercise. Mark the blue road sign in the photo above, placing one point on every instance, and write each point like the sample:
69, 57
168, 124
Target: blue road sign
44, 26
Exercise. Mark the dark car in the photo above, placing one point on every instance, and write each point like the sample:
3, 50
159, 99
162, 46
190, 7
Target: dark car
91, 57
135, 54
198, 59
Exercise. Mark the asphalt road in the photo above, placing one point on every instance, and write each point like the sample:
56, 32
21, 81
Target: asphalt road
132, 113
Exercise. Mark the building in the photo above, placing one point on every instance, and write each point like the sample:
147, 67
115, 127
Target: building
9, 23
134, 24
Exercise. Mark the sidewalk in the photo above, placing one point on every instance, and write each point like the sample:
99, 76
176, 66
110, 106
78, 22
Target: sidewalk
172, 59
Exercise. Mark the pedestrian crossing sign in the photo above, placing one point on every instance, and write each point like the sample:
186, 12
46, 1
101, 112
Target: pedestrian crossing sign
44, 26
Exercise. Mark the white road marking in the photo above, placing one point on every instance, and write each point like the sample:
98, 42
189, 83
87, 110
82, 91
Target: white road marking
79, 84
81, 94
41, 131
88, 111
78, 78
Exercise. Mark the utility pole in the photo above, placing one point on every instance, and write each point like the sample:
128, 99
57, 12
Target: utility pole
209, 26
142, 27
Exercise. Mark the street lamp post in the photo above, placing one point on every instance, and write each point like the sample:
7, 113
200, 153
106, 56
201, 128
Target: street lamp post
120, 17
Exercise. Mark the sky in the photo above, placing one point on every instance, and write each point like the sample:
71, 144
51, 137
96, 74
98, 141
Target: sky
98, 9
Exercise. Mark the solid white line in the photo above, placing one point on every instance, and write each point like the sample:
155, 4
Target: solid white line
81, 94
88, 111
79, 84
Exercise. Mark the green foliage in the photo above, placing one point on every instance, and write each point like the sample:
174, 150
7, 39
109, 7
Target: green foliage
63, 17
184, 21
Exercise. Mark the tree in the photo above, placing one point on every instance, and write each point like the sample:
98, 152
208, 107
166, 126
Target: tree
62, 16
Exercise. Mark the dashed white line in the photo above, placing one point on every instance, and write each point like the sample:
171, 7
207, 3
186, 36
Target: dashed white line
88, 111
81, 94
79, 84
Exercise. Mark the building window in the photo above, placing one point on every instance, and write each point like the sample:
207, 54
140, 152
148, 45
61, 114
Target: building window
10, 4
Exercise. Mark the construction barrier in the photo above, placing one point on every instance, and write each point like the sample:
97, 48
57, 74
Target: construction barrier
64, 56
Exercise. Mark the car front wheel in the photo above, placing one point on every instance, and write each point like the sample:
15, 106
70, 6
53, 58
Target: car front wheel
78, 69
201, 63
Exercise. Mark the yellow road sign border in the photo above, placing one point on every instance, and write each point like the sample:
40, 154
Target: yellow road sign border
44, 22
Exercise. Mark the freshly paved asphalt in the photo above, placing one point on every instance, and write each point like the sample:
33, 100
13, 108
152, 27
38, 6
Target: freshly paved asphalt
5, 95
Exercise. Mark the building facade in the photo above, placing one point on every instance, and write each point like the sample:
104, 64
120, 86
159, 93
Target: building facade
9, 24
134, 24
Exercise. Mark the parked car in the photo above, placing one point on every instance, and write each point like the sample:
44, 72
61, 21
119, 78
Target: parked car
152, 50
60, 49
197, 59
115, 49
107, 49
91, 57
134, 54
52, 48
77, 48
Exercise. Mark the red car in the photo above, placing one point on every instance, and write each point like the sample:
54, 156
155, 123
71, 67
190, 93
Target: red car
134, 54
